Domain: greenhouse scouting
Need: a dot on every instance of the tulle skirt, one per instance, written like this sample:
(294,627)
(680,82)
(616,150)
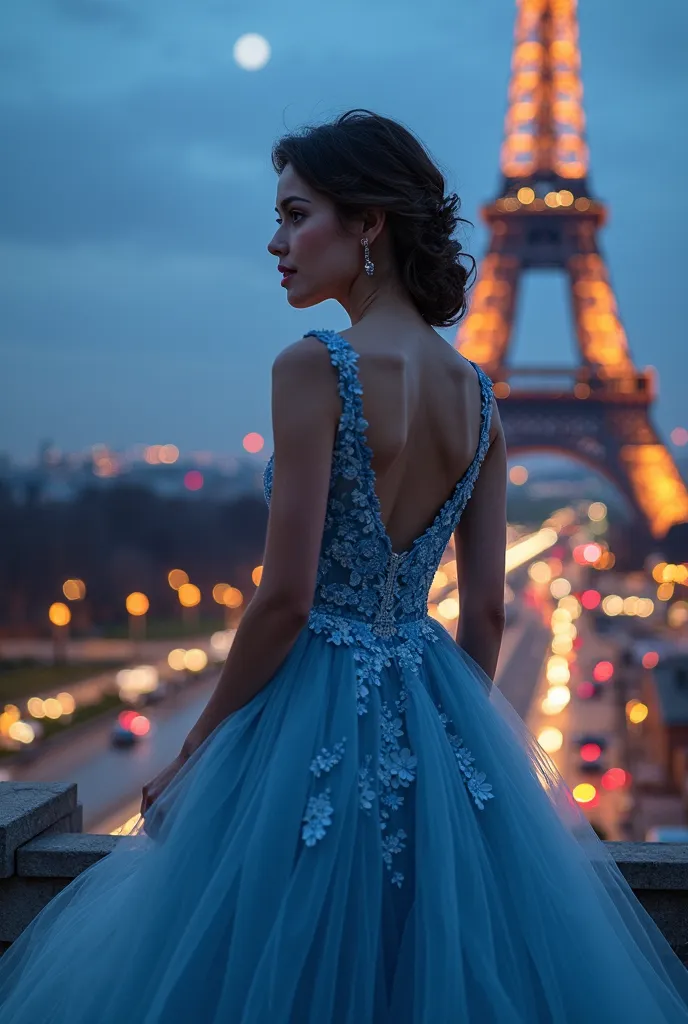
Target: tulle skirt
(485,899)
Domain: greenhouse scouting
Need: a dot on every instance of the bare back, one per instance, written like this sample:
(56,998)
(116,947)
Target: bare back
(422,401)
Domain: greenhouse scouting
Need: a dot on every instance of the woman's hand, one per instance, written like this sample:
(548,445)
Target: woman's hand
(153,789)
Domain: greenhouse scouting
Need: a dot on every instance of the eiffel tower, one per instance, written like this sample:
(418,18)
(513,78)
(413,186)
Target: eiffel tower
(546,217)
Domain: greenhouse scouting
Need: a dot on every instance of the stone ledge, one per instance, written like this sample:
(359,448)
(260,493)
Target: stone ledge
(28,809)
(62,855)
(652,865)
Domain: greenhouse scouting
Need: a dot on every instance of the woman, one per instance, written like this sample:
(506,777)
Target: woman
(359,829)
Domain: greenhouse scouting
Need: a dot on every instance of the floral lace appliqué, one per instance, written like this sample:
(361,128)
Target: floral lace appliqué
(374,600)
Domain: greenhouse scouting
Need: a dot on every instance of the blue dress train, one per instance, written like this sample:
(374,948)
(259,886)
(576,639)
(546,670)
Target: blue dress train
(375,838)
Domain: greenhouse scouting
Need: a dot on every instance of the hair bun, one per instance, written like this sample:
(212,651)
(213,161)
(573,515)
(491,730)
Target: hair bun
(362,160)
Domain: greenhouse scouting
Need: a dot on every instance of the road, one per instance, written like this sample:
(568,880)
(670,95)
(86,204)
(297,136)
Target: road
(109,780)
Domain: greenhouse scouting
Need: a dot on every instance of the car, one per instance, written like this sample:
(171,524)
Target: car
(129,728)
(121,736)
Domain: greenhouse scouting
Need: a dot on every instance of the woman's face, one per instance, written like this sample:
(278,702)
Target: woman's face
(324,261)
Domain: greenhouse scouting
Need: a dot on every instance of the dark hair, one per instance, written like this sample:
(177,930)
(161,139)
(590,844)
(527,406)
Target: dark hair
(362,160)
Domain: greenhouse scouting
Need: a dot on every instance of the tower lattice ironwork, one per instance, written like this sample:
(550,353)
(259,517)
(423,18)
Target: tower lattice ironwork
(546,217)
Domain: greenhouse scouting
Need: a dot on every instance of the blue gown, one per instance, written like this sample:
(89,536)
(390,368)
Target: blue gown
(375,838)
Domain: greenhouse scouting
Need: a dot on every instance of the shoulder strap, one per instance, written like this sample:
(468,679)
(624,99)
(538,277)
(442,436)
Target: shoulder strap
(485,412)
(467,483)
(345,361)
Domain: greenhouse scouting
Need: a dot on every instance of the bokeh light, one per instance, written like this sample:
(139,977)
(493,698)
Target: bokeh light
(137,603)
(177,578)
(257,575)
(449,608)
(518,475)
(195,660)
(74,590)
(59,614)
(584,793)
(603,671)
(540,572)
(597,511)
(233,598)
(550,739)
(193,480)
(253,442)
(189,595)
(175,659)
(559,588)
(636,711)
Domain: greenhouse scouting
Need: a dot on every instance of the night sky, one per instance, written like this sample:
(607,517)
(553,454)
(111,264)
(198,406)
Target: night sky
(138,302)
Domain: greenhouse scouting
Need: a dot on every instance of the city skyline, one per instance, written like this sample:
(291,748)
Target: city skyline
(141,305)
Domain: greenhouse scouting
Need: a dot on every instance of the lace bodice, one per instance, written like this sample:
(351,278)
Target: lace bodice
(360,578)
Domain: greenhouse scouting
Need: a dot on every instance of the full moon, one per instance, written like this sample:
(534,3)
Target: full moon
(251,52)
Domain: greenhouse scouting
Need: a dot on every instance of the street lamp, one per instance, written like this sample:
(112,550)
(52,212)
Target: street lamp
(60,617)
(232,599)
(189,598)
(137,605)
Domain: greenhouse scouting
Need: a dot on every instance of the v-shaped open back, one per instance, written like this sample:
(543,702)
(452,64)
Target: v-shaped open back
(364,588)
(353,397)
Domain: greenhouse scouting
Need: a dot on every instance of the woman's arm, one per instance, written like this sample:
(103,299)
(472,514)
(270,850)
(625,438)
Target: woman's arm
(480,542)
(305,412)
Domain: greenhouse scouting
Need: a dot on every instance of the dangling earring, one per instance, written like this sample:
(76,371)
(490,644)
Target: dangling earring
(368,263)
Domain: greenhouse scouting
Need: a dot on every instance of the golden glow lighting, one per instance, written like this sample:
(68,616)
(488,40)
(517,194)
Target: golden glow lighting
(74,590)
(137,603)
(540,572)
(23,732)
(612,605)
(449,608)
(529,547)
(195,660)
(597,511)
(550,739)
(557,671)
(59,614)
(67,702)
(556,699)
(570,605)
(232,597)
(189,595)
(175,659)
(219,592)
(257,575)
(584,793)
(177,578)
(559,587)
(637,711)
